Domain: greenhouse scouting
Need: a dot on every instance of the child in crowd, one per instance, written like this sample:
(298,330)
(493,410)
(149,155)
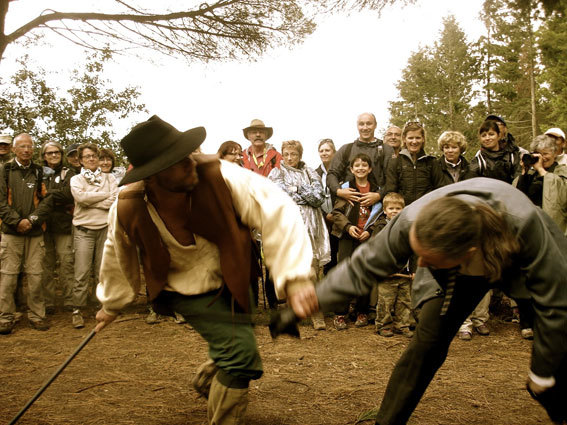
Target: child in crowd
(353,223)
(393,310)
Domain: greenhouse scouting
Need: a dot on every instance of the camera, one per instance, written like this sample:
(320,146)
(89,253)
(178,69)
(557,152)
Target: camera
(529,159)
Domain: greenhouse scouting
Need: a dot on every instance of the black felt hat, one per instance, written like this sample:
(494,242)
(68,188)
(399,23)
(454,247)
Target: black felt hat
(154,145)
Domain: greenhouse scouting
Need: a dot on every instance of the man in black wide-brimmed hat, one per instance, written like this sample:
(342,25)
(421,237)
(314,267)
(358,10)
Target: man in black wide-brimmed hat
(189,216)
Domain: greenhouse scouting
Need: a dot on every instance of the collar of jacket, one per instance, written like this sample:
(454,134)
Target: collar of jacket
(377,142)
(463,163)
(420,156)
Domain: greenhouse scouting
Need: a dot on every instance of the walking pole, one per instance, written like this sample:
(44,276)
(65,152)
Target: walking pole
(53,377)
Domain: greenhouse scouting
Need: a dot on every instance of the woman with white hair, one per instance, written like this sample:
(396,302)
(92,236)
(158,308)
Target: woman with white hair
(544,181)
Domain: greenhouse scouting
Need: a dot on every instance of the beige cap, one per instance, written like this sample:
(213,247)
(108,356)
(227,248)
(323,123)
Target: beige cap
(6,138)
(557,132)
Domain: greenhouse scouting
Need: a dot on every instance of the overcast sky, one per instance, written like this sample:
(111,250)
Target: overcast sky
(316,90)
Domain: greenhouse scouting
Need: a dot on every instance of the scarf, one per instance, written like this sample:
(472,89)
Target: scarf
(92,177)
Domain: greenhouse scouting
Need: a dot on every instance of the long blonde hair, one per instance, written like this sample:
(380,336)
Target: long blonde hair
(451,226)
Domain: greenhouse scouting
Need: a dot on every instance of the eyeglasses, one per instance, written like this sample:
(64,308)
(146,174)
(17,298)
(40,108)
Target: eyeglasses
(54,153)
(90,156)
(416,123)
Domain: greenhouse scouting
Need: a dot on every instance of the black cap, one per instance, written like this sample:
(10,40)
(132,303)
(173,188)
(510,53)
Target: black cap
(495,118)
(71,148)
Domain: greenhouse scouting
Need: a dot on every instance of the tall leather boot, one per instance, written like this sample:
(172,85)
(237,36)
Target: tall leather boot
(227,405)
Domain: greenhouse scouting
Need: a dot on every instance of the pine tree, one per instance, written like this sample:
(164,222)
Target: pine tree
(552,41)
(509,65)
(437,86)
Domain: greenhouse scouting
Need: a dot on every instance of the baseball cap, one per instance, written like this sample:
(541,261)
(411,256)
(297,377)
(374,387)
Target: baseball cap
(557,132)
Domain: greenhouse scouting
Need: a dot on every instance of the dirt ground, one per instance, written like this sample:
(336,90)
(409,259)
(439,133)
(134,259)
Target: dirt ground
(134,373)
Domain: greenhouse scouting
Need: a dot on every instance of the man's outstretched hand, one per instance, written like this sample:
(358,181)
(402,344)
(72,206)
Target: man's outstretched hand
(304,302)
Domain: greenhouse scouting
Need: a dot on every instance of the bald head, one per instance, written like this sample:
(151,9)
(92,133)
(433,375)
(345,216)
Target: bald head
(23,148)
(23,137)
(366,124)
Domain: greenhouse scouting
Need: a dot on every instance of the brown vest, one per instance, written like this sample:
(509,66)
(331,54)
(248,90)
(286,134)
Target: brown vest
(211,216)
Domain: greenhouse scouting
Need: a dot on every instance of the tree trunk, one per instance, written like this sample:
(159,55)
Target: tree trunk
(533,102)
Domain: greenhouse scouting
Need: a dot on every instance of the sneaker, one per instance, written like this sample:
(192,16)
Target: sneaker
(6,328)
(39,325)
(152,318)
(482,330)
(340,323)
(527,333)
(318,322)
(465,335)
(77,319)
(405,332)
(361,320)
(385,332)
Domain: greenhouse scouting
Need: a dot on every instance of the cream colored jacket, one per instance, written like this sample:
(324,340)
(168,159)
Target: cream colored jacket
(93,202)
(258,202)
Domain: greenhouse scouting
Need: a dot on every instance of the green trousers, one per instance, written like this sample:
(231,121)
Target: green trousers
(232,344)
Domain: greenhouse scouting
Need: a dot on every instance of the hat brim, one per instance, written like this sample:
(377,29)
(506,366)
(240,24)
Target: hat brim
(269,130)
(182,146)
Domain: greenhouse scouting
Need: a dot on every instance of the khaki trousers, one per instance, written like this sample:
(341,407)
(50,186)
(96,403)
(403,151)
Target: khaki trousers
(15,252)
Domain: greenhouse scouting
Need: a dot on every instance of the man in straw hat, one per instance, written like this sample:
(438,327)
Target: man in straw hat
(260,157)
(189,217)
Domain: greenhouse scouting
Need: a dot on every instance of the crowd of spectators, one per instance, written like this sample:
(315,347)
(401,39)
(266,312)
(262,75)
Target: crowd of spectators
(54,215)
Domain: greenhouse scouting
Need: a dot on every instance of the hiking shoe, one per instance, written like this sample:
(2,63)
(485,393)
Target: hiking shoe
(6,328)
(405,332)
(361,320)
(39,325)
(318,322)
(340,323)
(527,333)
(18,316)
(77,319)
(465,335)
(482,330)
(152,318)
(179,319)
(204,377)
(50,310)
(385,332)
